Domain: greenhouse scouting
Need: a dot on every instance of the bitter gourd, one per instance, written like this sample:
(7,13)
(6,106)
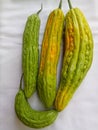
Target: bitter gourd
(50,53)
(29,116)
(30,53)
(78,56)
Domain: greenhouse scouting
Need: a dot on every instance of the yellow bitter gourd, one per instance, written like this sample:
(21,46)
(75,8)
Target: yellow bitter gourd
(30,117)
(50,53)
(30,53)
(77,57)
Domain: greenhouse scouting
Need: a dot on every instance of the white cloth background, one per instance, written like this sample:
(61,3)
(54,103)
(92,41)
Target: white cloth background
(82,111)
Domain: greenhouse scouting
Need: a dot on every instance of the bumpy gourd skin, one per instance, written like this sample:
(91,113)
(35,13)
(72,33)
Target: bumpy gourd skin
(77,57)
(30,54)
(50,53)
(31,117)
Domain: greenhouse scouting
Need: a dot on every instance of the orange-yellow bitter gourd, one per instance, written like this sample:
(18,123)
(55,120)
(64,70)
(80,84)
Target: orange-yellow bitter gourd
(50,53)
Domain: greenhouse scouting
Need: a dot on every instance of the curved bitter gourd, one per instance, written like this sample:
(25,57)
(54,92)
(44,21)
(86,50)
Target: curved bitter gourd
(29,116)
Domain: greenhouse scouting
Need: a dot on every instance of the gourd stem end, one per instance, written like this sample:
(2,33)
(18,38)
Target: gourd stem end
(20,86)
(40,9)
(70,6)
(60,4)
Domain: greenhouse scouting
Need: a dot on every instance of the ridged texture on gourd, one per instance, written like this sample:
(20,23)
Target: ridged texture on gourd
(30,54)
(30,117)
(50,53)
(77,57)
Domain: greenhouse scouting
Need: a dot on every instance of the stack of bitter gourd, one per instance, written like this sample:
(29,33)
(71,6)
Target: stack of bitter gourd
(77,38)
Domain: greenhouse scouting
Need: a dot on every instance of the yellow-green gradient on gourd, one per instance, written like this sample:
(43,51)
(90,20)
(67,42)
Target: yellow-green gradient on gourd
(78,55)
(50,52)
